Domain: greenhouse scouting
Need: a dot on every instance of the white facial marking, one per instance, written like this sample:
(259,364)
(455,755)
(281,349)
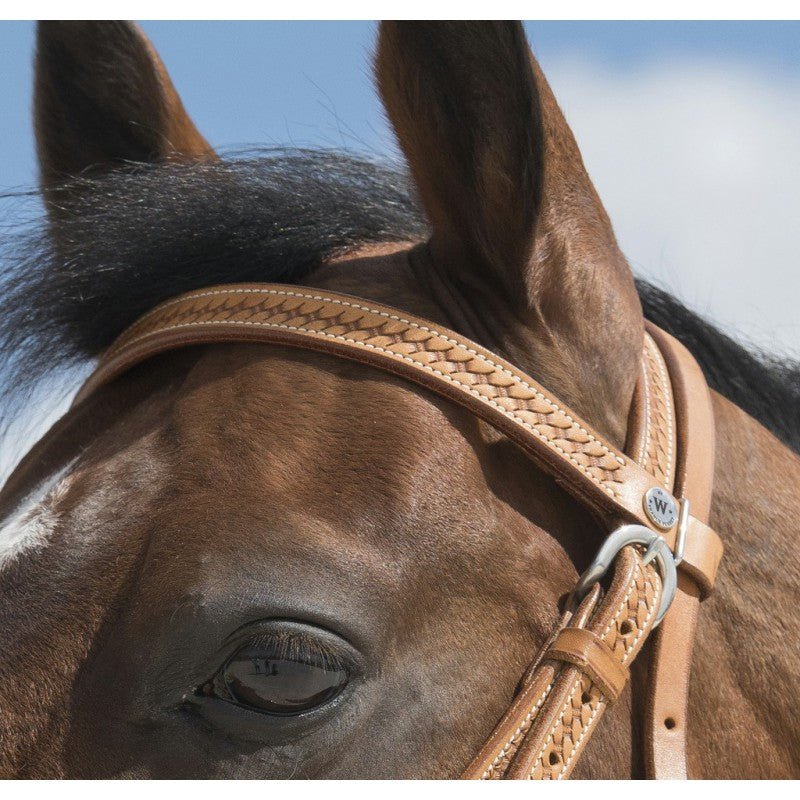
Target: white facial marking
(31,527)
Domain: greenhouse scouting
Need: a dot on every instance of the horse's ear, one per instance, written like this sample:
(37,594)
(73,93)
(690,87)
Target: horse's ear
(103,99)
(464,104)
(516,220)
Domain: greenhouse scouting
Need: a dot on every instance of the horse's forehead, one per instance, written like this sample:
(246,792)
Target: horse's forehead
(276,462)
(272,465)
(298,414)
(274,436)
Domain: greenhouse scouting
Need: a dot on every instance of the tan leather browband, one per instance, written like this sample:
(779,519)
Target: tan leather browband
(583,667)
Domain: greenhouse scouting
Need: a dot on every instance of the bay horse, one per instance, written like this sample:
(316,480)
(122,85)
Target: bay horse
(399,559)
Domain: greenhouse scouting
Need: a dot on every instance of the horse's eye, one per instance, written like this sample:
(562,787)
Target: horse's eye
(267,678)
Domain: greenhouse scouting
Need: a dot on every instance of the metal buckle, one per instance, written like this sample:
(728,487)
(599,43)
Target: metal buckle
(657,549)
(680,538)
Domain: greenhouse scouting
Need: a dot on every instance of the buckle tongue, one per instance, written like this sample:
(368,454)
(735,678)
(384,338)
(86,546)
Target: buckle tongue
(657,549)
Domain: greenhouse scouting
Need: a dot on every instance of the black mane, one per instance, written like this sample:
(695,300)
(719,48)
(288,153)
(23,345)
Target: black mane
(766,387)
(142,236)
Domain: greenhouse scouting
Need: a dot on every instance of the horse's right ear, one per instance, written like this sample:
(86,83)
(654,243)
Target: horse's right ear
(103,99)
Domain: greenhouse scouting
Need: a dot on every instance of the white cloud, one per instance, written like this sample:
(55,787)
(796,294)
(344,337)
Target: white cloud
(697,163)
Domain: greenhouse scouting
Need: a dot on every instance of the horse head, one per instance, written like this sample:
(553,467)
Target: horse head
(395,561)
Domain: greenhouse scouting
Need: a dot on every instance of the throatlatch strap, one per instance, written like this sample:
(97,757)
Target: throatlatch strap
(585,666)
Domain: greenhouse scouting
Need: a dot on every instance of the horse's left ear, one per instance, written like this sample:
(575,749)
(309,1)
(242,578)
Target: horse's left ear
(517,224)
(103,99)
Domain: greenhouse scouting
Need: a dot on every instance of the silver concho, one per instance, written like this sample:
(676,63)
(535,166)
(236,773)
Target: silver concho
(661,508)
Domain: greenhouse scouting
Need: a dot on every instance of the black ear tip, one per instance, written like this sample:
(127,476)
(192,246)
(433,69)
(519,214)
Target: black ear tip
(49,32)
(63,29)
(79,34)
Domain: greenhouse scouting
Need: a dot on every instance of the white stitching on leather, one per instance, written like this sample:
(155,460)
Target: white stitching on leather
(653,606)
(609,490)
(642,459)
(623,604)
(668,402)
(655,354)
(644,450)
(335,301)
(552,733)
(502,753)
(577,746)
(628,650)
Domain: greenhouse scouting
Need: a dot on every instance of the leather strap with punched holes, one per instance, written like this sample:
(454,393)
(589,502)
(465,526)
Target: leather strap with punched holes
(584,666)
(668,700)
(544,731)
(568,688)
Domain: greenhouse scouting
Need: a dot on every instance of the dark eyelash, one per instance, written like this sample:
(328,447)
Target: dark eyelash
(299,646)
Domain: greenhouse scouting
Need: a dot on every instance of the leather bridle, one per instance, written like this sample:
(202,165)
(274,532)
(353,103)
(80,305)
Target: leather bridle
(654,498)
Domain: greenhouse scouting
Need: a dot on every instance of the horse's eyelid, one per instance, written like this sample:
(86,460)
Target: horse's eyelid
(299,646)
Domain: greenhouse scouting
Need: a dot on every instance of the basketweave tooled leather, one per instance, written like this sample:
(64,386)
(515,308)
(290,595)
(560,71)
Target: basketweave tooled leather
(575,703)
(659,451)
(555,437)
(552,717)
(554,729)
(670,664)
